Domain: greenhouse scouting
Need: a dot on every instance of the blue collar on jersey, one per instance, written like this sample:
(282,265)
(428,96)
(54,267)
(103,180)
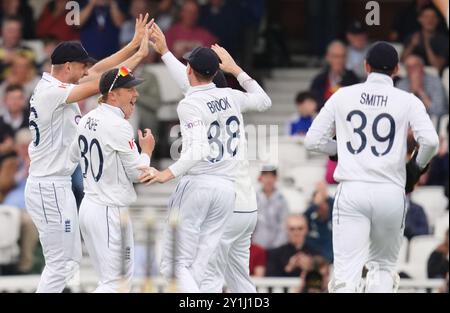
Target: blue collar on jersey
(200,88)
(117,111)
(380,78)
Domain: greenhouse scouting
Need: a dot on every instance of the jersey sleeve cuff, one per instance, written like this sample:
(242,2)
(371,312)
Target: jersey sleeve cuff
(243,77)
(175,169)
(145,159)
(68,91)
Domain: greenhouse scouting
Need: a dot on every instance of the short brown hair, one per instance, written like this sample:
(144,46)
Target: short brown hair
(13,87)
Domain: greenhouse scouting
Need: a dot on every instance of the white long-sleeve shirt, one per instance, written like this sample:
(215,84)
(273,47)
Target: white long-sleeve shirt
(255,98)
(53,125)
(371,122)
(109,158)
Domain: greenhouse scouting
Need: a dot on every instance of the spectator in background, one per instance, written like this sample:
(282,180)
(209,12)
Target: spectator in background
(416,222)
(426,87)
(438,260)
(273,210)
(10,42)
(15,112)
(406,21)
(253,14)
(319,216)
(137,7)
(186,34)
(22,10)
(295,258)
(328,82)
(15,198)
(358,46)
(428,43)
(50,43)
(306,111)
(52,22)
(8,168)
(165,10)
(334,76)
(6,138)
(258,261)
(23,72)
(224,20)
(100,22)
(437,175)
(313,283)
(324,21)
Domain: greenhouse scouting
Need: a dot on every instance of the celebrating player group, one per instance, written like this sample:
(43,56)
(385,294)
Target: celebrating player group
(363,126)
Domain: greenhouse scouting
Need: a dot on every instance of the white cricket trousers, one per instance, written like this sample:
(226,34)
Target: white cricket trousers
(52,207)
(368,225)
(232,263)
(108,235)
(202,206)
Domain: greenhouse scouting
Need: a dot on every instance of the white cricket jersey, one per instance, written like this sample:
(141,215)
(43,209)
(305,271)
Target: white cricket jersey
(371,122)
(254,99)
(108,156)
(53,126)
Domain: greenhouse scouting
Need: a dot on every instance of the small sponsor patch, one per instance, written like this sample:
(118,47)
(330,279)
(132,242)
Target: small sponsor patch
(67,227)
(131,143)
(77,119)
(127,253)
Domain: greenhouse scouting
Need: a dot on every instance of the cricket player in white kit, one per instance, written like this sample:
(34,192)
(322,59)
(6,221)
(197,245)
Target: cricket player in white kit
(232,262)
(54,115)
(210,120)
(109,159)
(371,121)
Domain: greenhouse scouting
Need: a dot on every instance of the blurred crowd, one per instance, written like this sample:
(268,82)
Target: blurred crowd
(284,245)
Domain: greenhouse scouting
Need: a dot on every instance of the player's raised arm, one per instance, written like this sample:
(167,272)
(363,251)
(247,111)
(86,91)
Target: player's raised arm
(91,87)
(176,69)
(125,53)
(255,97)
(319,138)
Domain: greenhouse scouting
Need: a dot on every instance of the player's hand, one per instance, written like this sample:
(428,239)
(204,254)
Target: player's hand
(146,141)
(415,39)
(158,40)
(413,173)
(143,48)
(321,194)
(151,175)
(304,261)
(139,29)
(227,63)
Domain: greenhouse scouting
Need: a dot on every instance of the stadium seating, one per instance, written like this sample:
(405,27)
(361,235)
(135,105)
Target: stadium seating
(9,234)
(441,226)
(170,92)
(399,47)
(433,200)
(431,70)
(443,123)
(297,202)
(403,255)
(420,249)
(445,80)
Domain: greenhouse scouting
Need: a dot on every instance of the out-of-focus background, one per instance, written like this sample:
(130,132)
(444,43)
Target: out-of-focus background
(301,51)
